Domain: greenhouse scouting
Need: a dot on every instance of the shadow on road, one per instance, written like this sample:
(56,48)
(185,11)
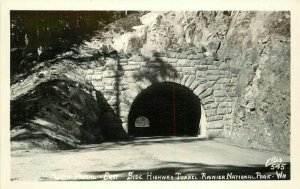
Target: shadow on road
(141,141)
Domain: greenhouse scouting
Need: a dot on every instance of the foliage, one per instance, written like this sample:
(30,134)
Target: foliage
(41,35)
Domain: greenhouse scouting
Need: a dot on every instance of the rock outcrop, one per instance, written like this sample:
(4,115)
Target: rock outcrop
(57,108)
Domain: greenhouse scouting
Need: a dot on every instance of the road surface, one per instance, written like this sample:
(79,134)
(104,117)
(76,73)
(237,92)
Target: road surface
(143,156)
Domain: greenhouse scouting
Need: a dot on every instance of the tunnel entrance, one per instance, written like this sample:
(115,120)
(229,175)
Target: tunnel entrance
(165,109)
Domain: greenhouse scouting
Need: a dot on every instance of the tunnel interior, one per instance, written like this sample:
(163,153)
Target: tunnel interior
(167,109)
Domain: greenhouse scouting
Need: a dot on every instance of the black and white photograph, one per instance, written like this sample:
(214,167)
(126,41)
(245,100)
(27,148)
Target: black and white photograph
(149,95)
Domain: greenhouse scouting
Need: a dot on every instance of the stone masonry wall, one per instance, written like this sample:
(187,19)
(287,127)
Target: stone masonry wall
(121,80)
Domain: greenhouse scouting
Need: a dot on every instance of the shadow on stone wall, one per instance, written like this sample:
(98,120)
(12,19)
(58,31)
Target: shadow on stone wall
(156,69)
(109,120)
(152,70)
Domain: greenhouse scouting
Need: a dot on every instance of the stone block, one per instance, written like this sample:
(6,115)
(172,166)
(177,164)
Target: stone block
(166,77)
(194,84)
(130,93)
(146,82)
(88,77)
(99,88)
(130,79)
(123,113)
(135,58)
(160,54)
(123,60)
(200,89)
(164,60)
(89,72)
(208,100)
(201,67)
(201,73)
(190,57)
(183,79)
(230,99)
(220,93)
(123,63)
(134,87)
(109,87)
(97,83)
(134,63)
(223,80)
(108,81)
(223,66)
(111,63)
(188,70)
(173,65)
(198,56)
(172,76)
(222,73)
(131,74)
(215,133)
(143,64)
(131,67)
(124,107)
(227,123)
(141,85)
(178,78)
(171,54)
(214,118)
(215,125)
(232,93)
(220,99)
(190,80)
(211,106)
(209,60)
(227,117)
(206,93)
(97,77)
(144,70)
(210,84)
(223,111)
(155,65)
(182,55)
(198,62)
(218,86)
(173,61)
(212,72)
(109,74)
(213,77)
(217,63)
(153,70)
(183,63)
(125,126)
(212,67)
(210,112)
(225,104)
(111,102)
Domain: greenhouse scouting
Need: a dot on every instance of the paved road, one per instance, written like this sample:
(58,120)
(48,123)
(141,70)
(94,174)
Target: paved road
(143,156)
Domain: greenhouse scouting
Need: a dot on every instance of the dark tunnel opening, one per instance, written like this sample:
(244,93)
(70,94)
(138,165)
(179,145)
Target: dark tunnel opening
(165,109)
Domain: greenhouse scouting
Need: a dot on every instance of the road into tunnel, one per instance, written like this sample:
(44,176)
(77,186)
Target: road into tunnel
(165,109)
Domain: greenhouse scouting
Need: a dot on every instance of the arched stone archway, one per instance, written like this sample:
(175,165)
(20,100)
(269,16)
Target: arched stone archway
(122,80)
(168,108)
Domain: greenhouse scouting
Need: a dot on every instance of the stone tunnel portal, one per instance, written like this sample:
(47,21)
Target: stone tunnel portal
(165,109)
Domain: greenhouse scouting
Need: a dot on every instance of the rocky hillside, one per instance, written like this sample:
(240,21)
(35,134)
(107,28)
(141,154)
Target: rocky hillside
(253,45)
